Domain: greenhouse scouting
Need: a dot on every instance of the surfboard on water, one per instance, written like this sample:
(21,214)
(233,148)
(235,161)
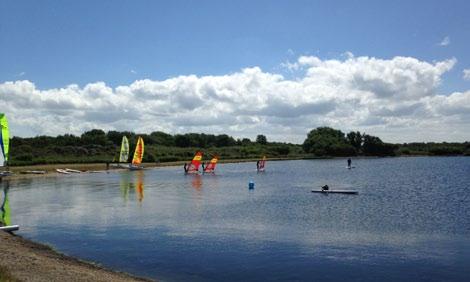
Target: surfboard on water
(349,167)
(353,192)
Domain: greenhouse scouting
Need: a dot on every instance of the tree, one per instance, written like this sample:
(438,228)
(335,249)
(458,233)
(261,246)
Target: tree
(182,141)
(261,139)
(162,138)
(326,141)
(94,137)
(224,140)
(373,146)
(246,141)
(355,139)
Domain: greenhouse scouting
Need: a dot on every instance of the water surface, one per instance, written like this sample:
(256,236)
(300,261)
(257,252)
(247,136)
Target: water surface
(410,221)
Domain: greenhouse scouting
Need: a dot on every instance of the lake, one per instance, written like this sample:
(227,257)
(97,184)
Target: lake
(410,221)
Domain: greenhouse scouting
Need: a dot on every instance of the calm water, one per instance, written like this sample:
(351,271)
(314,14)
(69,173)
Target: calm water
(410,221)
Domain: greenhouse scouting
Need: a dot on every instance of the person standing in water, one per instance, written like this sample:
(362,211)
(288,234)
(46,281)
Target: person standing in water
(349,162)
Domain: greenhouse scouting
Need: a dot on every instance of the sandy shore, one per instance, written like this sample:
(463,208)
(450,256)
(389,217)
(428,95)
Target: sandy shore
(28,261)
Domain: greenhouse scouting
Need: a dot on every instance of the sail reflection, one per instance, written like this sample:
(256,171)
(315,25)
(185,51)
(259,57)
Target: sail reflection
(132,181)
(5,207)
(196,182)
(139,188)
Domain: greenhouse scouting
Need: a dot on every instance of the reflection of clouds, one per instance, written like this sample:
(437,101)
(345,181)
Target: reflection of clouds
(217,207)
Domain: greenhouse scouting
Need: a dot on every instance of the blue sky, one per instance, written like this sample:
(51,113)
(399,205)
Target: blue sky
(45,46)
(55,43)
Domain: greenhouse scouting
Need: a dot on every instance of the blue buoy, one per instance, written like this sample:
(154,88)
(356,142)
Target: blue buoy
(251,185)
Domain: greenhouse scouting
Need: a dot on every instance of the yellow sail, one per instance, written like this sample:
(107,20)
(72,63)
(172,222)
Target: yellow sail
(124,155)
(139,152)
(4,136)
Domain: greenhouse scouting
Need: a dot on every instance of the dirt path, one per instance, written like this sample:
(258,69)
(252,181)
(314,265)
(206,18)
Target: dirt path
(29,261)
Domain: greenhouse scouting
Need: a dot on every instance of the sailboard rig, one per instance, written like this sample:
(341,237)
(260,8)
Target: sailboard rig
(193,166)
(261,163)
(124,154)
(210,167)
(4,138)
(138,154)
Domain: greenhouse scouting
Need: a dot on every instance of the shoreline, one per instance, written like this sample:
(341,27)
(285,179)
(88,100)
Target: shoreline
(50,169)
(25,260)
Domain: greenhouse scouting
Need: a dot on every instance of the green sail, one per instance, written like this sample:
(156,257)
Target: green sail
(4,136)
(124,155)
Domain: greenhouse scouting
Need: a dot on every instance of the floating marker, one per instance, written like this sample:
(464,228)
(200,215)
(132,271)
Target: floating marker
(251,185)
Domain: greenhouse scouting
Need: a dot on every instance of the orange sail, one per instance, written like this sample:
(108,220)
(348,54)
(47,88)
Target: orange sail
(261,163)
(139,152)
(211,166)
(193,167)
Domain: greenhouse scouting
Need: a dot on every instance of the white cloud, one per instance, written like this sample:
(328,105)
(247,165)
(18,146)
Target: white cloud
(445,41)
(466,74)
(396,99)
(133,72)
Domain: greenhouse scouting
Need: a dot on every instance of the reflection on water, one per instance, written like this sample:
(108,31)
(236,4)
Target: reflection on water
(196,181)
(405,224)
(132,180)
(5,207)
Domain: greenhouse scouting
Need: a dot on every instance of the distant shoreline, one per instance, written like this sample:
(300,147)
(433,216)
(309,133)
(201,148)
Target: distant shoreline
(50,169)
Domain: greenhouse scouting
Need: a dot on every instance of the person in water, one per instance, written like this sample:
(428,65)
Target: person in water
(257,165)
(325,188)
(186,167)
(349,162)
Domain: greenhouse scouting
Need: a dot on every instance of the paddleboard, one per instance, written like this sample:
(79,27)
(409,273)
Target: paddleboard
(10,228)
(336,191)
(72,170)
(62,171)
(349,167)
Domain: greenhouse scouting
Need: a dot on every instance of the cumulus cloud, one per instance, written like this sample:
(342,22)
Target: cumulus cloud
(466,74)
(445,41)
(396,99)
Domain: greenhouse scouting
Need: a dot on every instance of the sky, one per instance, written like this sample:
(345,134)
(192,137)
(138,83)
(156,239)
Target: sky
(399,70)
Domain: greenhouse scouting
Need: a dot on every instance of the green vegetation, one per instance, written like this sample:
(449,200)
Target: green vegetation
(97,146)
(325,141)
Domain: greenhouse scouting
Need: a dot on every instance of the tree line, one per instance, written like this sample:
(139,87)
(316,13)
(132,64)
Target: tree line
(99,146)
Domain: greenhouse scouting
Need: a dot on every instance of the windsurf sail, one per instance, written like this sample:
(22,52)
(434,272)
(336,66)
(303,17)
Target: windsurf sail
(139,152)
(261,163)
(4,137)
(124,155)
(193,167)
(210,167)
(5,209)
